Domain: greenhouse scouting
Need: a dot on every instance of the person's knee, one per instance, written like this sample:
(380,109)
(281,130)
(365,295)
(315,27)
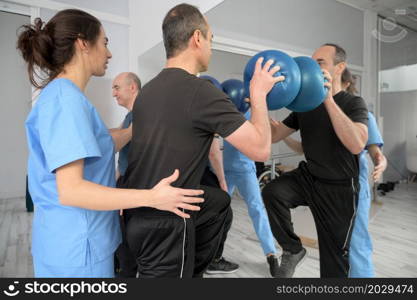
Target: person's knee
(217,199)
(255,203)
(256,212)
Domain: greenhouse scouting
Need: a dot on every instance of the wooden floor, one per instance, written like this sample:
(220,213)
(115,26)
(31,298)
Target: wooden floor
(15,237)
(393,228)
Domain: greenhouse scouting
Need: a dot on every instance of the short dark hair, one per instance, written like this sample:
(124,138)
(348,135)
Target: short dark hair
(340,55)
(179,25)
(51,46)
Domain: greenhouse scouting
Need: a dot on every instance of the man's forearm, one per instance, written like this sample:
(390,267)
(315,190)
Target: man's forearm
(352,135)
(260,120)
(379,160)
(216,159)
(294,145)
(279,131)
(121,137)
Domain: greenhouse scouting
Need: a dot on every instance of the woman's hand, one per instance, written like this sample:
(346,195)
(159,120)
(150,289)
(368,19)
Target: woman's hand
(223,185)
(380,166)
(169,198)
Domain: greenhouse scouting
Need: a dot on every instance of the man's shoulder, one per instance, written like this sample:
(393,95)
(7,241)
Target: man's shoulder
(208,89)
(348,96)
(346,100)
(170,78)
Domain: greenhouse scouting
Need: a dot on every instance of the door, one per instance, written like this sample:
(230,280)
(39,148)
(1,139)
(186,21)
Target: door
(15,103)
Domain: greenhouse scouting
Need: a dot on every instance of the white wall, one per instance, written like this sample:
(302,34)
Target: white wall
(146,24)
(120,8)
(300,25)
(150,63)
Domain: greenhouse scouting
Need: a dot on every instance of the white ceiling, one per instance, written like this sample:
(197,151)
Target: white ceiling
(403,11)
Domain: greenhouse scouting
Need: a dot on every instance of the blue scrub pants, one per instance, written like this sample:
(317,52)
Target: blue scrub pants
(360,251)
(247,184)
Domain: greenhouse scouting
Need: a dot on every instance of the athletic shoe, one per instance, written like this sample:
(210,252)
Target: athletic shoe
(273,265)
(222,266)
(289,262)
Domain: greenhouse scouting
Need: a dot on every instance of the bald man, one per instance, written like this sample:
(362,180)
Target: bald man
(125,88)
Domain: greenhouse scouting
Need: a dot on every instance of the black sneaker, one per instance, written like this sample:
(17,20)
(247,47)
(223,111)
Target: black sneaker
(222,266)
(289,262)
(273,265)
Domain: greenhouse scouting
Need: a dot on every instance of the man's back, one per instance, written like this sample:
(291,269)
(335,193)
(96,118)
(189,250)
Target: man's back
(174,120)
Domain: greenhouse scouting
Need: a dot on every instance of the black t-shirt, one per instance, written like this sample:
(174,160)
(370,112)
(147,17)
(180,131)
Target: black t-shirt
(326,156)
(174,120)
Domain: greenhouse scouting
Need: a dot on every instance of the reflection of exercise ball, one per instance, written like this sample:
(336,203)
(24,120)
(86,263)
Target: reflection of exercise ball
(312,91)
(282,92)
(236,92)
(213,81)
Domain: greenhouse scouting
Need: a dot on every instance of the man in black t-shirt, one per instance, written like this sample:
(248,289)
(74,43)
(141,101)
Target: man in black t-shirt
(332,136)
(174,121)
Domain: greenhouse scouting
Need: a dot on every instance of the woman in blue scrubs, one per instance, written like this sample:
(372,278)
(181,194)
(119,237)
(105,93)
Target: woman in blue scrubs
(240,172)
(360,250)
(71,153)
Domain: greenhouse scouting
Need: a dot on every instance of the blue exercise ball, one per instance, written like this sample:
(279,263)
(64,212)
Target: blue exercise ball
(234,88)
(213,81)
(284,92)
(312,92)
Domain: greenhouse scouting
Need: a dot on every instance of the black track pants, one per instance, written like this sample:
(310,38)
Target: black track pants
(166,245)
(210,179)
(333,205)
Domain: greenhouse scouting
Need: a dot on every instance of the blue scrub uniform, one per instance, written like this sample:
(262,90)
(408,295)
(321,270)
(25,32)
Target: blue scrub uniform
(360,253)
(240,172)
(123,153)
(63,127)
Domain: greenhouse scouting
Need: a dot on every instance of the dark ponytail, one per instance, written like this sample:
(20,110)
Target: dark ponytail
(349,81)
(36,47)
(47,49)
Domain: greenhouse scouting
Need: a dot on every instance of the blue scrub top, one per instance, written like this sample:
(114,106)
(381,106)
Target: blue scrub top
(63,127)
(234,160)
(123,153)
(374,138)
